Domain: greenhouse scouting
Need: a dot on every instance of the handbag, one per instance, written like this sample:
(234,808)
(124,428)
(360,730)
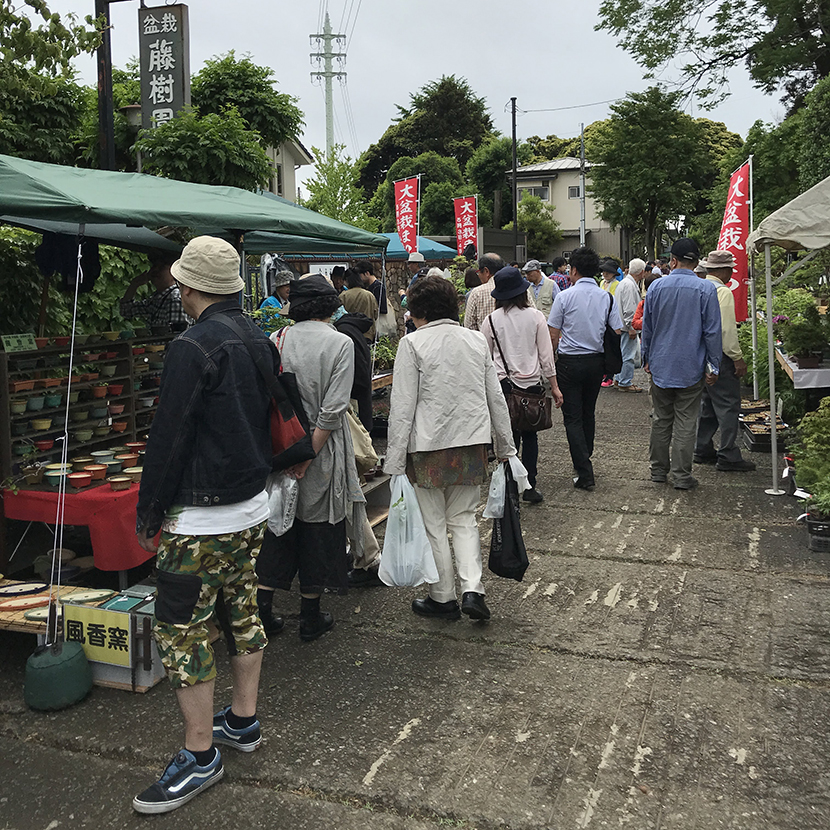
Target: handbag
(508,555)
(611,345)
(364,453)
(529,411)
(290,434)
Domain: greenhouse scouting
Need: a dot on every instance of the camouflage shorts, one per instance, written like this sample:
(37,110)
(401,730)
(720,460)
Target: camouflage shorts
(191,572)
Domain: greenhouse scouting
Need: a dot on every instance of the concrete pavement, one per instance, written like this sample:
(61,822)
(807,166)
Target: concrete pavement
(664,664)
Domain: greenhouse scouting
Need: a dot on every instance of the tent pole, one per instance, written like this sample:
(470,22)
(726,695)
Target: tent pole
(774,490)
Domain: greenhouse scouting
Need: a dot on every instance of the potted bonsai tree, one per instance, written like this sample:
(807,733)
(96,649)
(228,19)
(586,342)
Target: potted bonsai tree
(805,337)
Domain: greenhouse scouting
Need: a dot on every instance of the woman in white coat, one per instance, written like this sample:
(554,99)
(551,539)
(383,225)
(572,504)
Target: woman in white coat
(447,406)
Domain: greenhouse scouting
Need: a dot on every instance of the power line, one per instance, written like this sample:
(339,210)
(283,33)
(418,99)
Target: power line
(574,107)
(354,21)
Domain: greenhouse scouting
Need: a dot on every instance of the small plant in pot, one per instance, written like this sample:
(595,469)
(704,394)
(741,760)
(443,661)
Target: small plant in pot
(805,337)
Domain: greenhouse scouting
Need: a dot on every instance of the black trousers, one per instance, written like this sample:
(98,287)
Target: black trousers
(580,378)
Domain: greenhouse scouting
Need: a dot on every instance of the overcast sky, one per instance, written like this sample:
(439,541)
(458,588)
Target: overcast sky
(544,52)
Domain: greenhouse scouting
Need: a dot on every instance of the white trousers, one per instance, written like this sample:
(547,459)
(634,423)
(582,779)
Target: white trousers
(453,510)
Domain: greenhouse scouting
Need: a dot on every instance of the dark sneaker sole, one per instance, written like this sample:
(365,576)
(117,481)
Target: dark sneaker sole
(156,807)
(444,615)
(224,740)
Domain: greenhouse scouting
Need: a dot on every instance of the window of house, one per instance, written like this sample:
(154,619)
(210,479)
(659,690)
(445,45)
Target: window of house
(276,181)
(542,192)
(573,192)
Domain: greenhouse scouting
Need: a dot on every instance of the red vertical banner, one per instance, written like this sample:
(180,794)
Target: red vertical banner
(466,222)
(406,212)
(733,234)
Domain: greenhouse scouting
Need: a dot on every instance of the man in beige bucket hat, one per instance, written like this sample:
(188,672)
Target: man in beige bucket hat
(720,406)
(203,485)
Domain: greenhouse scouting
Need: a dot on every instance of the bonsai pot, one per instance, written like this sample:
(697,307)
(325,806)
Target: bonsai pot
(119,426)
(36,403)
(17,407)
(99,391)
(41,424)
(98,412)
(127,459)
(40,342)
(110,335)
(101,431)
(80,461)
(33,474)
(79,414)
(810,361)
(21,385)
(80,479)
(45,445)
(116,388)
(134,473)
(54,399)
(108,371)
(116,408)
(120,482)
(62,341)
(97,471)
(83,435)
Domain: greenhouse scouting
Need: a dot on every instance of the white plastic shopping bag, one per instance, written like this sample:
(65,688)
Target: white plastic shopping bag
(407,558)
(519,472)
(496,495)
(283,492)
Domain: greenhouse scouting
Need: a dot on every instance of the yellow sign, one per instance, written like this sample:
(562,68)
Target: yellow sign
(105,635)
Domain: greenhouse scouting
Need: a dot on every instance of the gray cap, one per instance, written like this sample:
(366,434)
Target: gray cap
(532,265)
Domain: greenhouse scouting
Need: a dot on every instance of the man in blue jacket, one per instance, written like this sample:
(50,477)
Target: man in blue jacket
(203,486)
(681,344)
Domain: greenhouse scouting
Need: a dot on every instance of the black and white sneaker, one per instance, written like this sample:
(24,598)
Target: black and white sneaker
(183,780)
(246,739)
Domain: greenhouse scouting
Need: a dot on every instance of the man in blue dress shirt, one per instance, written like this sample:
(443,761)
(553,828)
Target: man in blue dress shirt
(681,345)
(577,326)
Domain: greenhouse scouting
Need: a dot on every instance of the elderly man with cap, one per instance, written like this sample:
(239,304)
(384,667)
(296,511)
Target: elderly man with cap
(542,288)
(627,298)
(278,300)
(203,486)
(681,344)
(720,406)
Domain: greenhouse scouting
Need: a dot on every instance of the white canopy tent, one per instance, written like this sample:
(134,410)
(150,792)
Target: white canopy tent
(801,224)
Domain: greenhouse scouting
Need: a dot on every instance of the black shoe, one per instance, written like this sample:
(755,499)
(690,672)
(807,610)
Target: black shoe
(428,607)
(584,485)
(690,484)
(365,578)
(705,459)
(472,604)
(742,466)
(311,629)
(271,624)
(533,496)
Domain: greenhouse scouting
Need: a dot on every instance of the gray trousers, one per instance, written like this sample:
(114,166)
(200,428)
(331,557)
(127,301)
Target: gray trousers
(673,430)
(720,406)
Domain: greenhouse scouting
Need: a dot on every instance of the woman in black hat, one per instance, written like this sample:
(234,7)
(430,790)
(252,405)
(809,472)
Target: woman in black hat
(520,345)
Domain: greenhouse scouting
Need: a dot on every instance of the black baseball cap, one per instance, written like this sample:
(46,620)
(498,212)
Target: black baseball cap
(685,249)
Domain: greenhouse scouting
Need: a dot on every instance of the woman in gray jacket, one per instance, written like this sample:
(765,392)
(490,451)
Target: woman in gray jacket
(447,406)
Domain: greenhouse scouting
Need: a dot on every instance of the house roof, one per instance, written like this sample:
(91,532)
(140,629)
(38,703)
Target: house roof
(552,166)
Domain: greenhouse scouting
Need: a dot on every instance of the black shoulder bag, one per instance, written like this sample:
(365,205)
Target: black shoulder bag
(611,347)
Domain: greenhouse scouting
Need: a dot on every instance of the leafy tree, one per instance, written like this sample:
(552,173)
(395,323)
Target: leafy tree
(814,161)
(488,172)
(210,149)
(437,213)
(536,220)
(444,116)
(434,169)
(782,43)
(226,81)
(333,190)
(553,147)
(641,177)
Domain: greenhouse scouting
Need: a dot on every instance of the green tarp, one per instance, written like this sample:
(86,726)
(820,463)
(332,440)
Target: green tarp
(32,191)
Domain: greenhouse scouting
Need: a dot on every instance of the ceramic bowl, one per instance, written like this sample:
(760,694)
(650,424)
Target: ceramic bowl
(147,402)
(20,428)
(102,456)
(36,403)
(116,408)
(127,334)
(47,444)
(110,335)
(80,479)
(80,339)
(56,466)
(138,349)
(116,451)
(113,467)
(134,473)
(74,395)
(97,471)
(82,435)
(119,426)
(115,389)
(40,342)
(41,424)
(21,449)
(155,347)
(101,431)
(61,341)
(21,385)
(99,391)
(128,459)
(53,477)
(17,407)
(110,355)
(80,461)
(53,400)
(108,371)
(135,446)
(120,482)
(98,412)
(79,415)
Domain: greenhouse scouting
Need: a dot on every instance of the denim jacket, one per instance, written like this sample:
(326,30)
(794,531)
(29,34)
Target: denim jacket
(210,442)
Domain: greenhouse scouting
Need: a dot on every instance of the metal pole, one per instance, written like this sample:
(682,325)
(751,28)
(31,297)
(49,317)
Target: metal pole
(514,186)
(752,296)
(329,92)
(774,490)
(582,185)
(106,123)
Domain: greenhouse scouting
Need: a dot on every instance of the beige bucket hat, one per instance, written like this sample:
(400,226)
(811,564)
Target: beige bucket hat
(719,259)
(209,264)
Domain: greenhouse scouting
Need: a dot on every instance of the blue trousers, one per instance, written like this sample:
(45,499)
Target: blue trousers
(629,347)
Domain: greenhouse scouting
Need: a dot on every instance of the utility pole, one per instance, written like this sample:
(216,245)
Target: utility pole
(582,185)
(327,73)
(514,187)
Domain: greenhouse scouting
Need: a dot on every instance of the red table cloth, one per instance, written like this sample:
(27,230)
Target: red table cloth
(109,515)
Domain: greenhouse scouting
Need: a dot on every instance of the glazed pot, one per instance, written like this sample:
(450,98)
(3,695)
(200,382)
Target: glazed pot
(41,424)
(17,407)
(108,371)
(116,389)
(74,395)
(116,408)
(45,445)
(61,341)
(40,342)
(113,467)
(80,479)
(54,477)
(102,456)
(53,400)
(119,426)
(120,482)
(82,435)
(101,431)
(127,459)
(134,473)
(110,335)
(99,391)
(21,385)
(97,471)
(79,415)
(36,403)
(98,412)
(80,461)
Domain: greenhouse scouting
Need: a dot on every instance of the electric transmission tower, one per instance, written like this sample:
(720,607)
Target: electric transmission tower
(325,72)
